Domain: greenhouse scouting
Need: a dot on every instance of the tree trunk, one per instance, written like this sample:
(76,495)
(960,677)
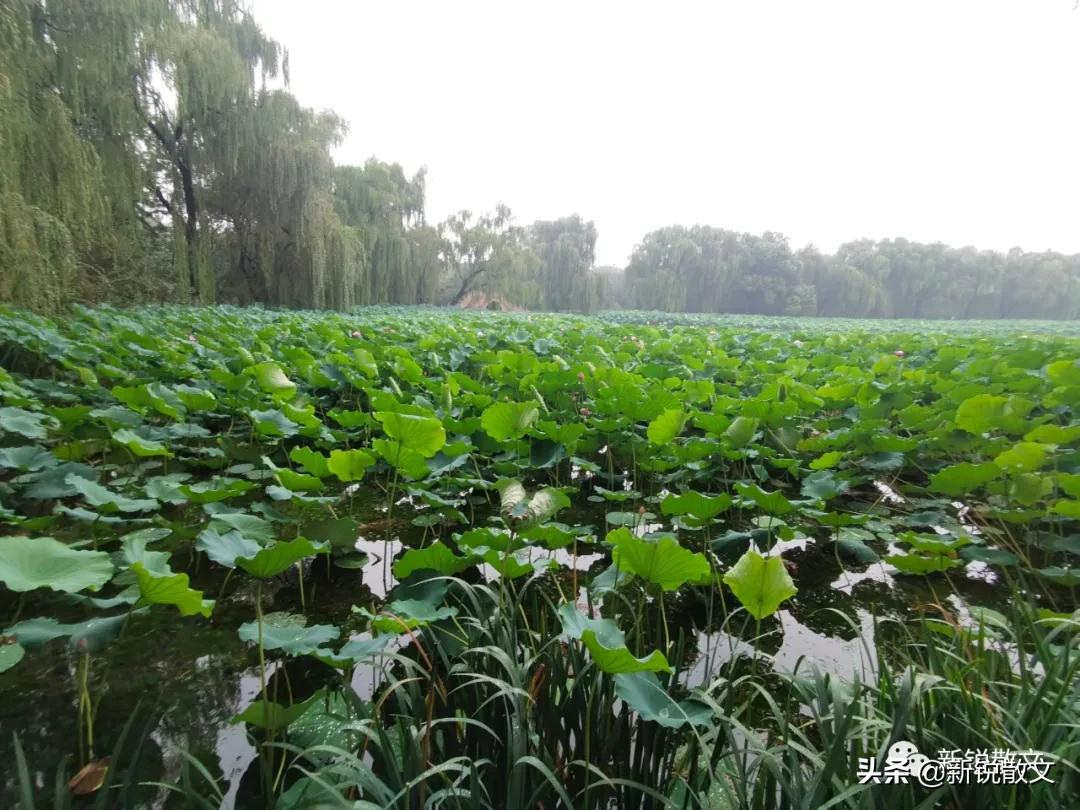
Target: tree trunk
(191,229)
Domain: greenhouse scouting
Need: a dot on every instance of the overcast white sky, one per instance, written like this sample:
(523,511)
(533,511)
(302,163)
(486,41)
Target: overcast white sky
(827,120)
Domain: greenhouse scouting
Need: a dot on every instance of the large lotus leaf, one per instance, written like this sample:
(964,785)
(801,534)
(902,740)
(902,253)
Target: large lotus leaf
(134,550)
(253,526)
(289,632)
(1068,508)
(760,583)
(92,634)
(934,543)
(772,502)
(26,423)
(823,485)
(984,413)
(298,482)
(422,434)
(665,427)
(195,399)
(339,532)
(920,564)
(350,465)
(662,562)
(30,458)
(642,692)
(1023,457)
(487,538)
(826,460)
(620,659)
(567,435)
(1064,576)
(277,557)
(303,416)
(139,445)
(544,505)
(436,557)
(266,714)
(171,589)
(396,454)
(610,579)
(518,507)
(1064,372)
(51,483)
(11,653)
(326,724)
(607,644)
(553,535)
(504,421)
(854,547)
(365,361)
(349,419)
(216,489)
(514,565)
(882,462)
(991,556)
(166,488)
(105,499)
(1053,434)
(312,461)
(963,478)
(272,423)
(225,548)
(271,379)
(28,563)
(403,615)
(355,650)
(164,400)
(512,498)
(741,431)
(703,507)
(1069,483)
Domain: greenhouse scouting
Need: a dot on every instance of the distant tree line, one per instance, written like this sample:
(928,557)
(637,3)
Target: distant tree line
(151,151)
(704,269)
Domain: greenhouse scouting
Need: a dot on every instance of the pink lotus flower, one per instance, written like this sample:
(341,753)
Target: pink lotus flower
(581,376)
(900,353)
(356,333)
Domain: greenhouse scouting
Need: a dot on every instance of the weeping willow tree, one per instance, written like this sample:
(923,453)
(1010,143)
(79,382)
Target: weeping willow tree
(399,258)
(116,117)
(567,251)
(274,204)
(199,80)
(53,209)
(148,150)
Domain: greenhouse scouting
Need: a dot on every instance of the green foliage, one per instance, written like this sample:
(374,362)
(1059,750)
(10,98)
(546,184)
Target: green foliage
(607,645)
(156,588)
(760,583)
(660,680)
(41,562)
(509,420)
(288,632)
(665,427)
(662,562)
(349,465)
(277,557)
(644,694)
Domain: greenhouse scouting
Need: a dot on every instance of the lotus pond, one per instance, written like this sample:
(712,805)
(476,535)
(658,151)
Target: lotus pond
(421,558)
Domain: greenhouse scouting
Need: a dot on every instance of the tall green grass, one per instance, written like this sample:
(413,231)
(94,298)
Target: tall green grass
(494,710)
